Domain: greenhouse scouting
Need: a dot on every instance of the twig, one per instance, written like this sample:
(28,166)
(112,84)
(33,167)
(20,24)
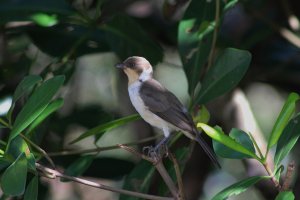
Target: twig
(98,149)
(288,176)
(178,175)
(270,173)
(50,173)
(39,149)
(215,34)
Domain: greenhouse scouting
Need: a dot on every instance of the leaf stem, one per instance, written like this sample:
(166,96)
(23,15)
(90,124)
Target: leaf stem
(271,174)
(4,123)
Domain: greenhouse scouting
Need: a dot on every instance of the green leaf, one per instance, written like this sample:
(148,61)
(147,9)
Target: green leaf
(16,147)
(283,118)
(238,187)
(31,192)
(287,139)
(51,107)
(219,136)
(26,85)
(195,39)
(80,165)
(44,19)
(101,129)
(139,179)
(35,104)
(286,195)
(224,74)
(13,179)
(239,136)
(4,163)
(126,38)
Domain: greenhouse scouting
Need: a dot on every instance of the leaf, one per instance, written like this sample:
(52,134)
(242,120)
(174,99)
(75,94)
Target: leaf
(219,136)
(126,38)
(16,147)
(4,163)
(101,129)
(35,104)
(51,107)
(287,139)
(13,179)
(286,195)
(26,85)
(31,192)
(139,179)
(80,165)
(44,19)
(285,114)
(227,71)
(239,136)
(238,187)
(195,39)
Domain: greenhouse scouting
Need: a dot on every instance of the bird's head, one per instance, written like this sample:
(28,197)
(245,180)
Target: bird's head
(136,68)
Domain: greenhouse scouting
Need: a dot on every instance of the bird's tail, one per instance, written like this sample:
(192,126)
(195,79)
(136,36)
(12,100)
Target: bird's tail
(208,150)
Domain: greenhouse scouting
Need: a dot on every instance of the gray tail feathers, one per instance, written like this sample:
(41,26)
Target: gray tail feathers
(208,150)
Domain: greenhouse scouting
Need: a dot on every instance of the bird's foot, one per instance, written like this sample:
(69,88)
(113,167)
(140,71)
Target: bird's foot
(156,152)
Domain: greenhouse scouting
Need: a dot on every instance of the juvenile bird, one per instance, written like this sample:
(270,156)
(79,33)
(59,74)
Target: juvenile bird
(157,105)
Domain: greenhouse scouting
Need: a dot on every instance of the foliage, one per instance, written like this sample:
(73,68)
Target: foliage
(64,32)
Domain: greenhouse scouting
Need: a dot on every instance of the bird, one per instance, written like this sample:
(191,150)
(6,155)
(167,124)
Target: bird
(157,105)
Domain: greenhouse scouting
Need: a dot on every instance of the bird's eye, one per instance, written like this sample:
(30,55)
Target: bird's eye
(132,65)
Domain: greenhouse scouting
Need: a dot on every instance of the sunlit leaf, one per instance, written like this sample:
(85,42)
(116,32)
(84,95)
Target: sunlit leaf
(31,192)
(287,139)
(240,137)
(286,195)
(44,19)
(219,136)
(238,187)
(101,129)
(13,179)
(287,111)
(35,104)
(227,71)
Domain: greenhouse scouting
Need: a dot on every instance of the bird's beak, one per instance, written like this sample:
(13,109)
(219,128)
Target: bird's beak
(120,65)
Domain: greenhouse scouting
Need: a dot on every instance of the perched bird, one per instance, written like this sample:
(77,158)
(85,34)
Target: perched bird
(157,105)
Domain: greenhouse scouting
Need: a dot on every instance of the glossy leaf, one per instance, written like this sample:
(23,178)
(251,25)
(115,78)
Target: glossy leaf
(286,195)
(219,136)
(195,39)
(16,147)
(13,179)
(26,85)
(126,38)
(35,104)
(227,71)
(101,129)
(238,187)
(287,111)
(51,107)
(80,165)
(287,139)
(240,137)
(139,179)
(31,192)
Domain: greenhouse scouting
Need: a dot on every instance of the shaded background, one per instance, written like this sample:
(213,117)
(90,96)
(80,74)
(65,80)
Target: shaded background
(96,92)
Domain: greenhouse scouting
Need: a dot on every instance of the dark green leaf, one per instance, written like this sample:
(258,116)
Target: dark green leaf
(101,129)
(35,105)
(51,107)
(21,10)
(13,179)
(31,192)
(31,162)
(80,165)
(68,39)
(195,38)
(238,187)
(286,195)
(16,147)
(26,85)
(240,137)
(224,74)
(218,135)
(126,38)
(139,179)
(287,111)
(287,139)
(4,163)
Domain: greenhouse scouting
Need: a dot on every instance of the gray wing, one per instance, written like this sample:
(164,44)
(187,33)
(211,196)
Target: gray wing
(166,105)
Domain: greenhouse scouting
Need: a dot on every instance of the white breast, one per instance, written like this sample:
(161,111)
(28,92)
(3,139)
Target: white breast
(138,103)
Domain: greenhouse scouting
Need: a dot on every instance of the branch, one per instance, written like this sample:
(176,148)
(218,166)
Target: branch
(53,174)
(270,173)
(287,180)
(178,175)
